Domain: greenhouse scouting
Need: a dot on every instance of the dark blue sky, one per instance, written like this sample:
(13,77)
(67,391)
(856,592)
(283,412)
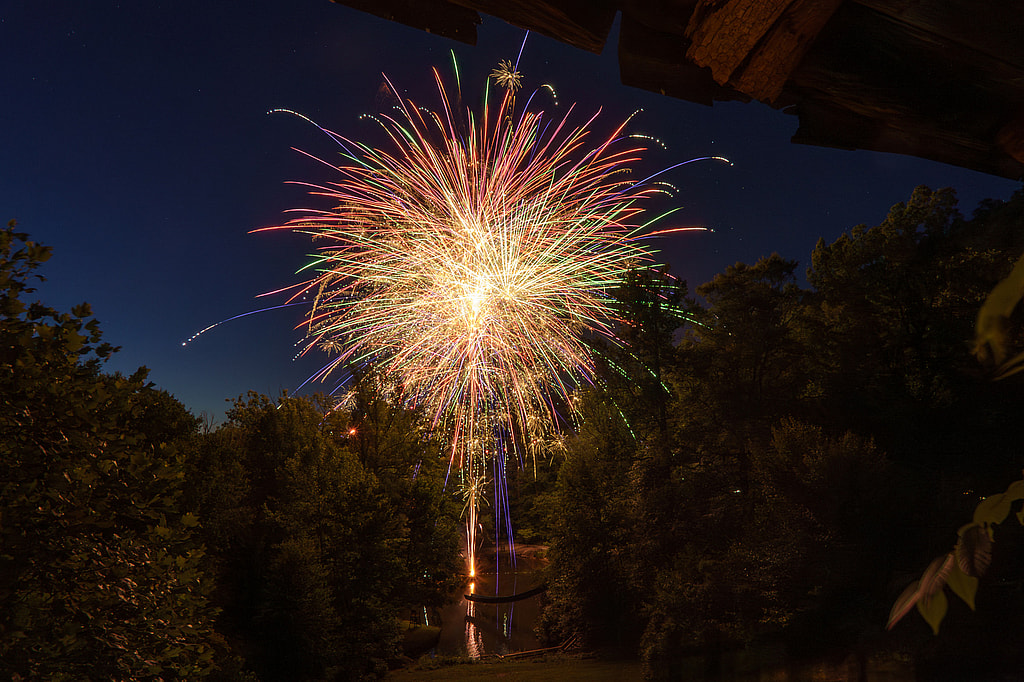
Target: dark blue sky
(134,140)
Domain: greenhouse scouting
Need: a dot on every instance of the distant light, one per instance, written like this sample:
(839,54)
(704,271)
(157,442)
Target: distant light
(352,431)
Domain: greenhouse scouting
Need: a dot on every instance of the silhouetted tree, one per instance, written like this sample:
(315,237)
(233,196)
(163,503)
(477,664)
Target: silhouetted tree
(329,523)
(100,574)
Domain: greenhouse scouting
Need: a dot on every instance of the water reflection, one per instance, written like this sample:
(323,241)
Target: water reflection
(474,637)
(476,629)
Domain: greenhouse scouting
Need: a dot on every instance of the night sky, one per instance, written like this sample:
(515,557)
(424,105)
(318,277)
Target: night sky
(135,141)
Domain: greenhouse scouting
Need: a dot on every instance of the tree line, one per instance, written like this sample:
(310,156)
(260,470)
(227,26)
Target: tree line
(777,469)
(782,470)
(135,544)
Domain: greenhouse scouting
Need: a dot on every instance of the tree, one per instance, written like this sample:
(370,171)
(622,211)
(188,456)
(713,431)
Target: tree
(894,312)
(616,481)
(741,352)
(328,524)
(593,593)
(772,493)
(99,565)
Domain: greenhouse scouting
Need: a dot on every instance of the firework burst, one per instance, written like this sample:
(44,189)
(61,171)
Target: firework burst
(470,261)
(507,76)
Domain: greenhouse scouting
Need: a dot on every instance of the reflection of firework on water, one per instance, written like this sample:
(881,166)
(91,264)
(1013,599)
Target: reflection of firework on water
(469,264)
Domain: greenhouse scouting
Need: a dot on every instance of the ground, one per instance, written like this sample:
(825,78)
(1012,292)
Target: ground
(564,668)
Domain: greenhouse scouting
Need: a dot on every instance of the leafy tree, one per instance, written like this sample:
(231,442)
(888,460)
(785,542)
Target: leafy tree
(739,365)
(747,529)
(392,445)
(531,488)
(613,481)
(592,593)
(792,470)
(961,568)
(895,309)
(99,565)
(328,523)
(745,344)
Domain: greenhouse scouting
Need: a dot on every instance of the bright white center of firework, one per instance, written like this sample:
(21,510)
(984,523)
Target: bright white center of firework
(479,285)
(479,292)
(476,301)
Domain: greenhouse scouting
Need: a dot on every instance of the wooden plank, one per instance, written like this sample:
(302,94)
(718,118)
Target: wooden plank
(665,16)
(939,79)
(1010,137)
(723,33)
(825,125)
(656,61)
(871,65)
(992,27)
(874,82)
(865,63)
(433,16)
(781,50)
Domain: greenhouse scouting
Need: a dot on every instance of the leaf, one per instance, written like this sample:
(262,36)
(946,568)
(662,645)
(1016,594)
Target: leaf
(963,585)
(189,520)
(934,578)
(904,603)
(1015,491)
(934,610)
(993,509)
(989,334)
(974,550)
(1010,367)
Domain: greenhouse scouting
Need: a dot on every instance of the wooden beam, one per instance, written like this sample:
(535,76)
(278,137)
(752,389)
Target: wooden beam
(824,125)
(873,66)
(723,33)
(667,16)
(783,48)
(993,27)
(656,60)
(1010,137)
(754,45)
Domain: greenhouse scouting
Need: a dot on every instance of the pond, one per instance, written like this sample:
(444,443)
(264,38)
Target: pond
(476,629)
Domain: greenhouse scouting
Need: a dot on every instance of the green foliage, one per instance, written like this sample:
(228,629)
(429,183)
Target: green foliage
(746,345)
(895,305)
(328,524)
(791,469)
(991,336)
(960,569)
(614,477)
(532,500)
(969,560)
(738,369)
(591,595)
(99,569)
(755,561)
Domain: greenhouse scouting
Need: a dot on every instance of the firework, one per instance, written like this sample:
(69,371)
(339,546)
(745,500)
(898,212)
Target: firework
(469,263)
(507,76)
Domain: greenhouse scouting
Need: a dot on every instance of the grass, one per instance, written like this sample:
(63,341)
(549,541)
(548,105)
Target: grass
(561,667)
(417,639)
